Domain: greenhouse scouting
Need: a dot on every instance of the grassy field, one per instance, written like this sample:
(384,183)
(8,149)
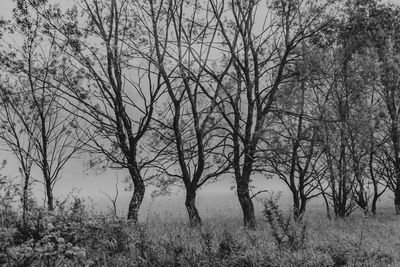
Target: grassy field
(81,234)
(356,241)
(74,236)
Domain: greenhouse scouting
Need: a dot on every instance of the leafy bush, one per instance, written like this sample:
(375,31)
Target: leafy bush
(48,238)
(51,250)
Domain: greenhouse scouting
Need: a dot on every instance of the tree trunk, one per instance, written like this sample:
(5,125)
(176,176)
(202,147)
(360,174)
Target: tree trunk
(136,200)
(246,203)
(47,179)
(25,194)
(362,200)
(328,210)
(296,204)
(190,203)
(374,182)
(339,212)
(373,204)
(397,200)
(50,198)
(301,208)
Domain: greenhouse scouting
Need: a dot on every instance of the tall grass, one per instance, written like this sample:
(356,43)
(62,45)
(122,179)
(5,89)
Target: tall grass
(72,236)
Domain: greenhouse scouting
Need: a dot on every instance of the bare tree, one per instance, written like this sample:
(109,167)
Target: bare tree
(36,102)
(183,41)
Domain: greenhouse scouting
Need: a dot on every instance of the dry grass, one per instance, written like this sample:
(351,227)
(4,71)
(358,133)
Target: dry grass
(166,240)
(356,241)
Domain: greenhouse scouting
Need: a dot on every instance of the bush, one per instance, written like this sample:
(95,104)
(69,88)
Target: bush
(48,239)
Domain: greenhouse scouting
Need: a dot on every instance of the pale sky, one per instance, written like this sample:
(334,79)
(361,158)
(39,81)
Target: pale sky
(6,8)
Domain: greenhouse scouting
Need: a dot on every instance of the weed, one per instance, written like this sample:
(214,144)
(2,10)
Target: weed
(287,233)
(228,245)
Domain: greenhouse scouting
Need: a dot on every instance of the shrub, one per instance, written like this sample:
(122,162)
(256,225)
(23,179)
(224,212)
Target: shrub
(48,238)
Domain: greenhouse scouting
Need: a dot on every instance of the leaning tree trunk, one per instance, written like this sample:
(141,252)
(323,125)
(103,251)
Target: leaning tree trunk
(246,203)
(137,197)
(190,203)
(375,197)
(136,202)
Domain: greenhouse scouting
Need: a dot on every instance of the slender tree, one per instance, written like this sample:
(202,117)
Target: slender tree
(14,109)
(293,150)
(183,41)
(36,102)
